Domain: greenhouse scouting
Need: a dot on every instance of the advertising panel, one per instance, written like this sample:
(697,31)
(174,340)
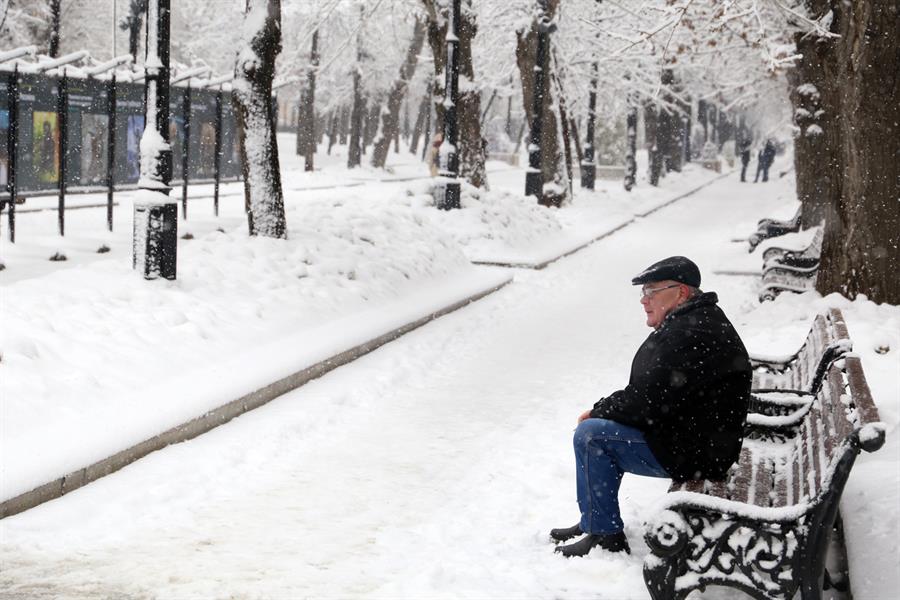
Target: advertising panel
(94,144)
(45,149)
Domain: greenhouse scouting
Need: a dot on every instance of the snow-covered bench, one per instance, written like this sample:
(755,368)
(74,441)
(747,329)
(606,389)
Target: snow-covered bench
(807,257)
(781,278)
(785,385)
(803,370)
(769,228)
(765,529)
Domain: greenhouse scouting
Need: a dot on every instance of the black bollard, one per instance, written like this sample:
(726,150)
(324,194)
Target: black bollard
(156,239)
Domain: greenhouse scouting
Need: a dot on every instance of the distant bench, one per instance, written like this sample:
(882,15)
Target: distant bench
(765,529)
(769,228)
(790,271)
(713,164)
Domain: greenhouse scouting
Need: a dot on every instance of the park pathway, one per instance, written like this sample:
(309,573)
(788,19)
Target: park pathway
(432,467)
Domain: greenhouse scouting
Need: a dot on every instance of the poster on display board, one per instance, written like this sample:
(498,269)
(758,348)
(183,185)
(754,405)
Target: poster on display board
(4,156)
(134,129)
(129,129)
(45,146)
(176,130)
(201,161)
(94,148)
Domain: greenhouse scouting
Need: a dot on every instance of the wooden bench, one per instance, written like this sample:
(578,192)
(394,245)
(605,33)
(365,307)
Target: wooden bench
(827,340)
(783,386)
(807,257)
(781,278)
(769,228)
(713,164)
(765,529)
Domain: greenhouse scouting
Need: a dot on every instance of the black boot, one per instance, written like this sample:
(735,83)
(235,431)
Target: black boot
(614,542)
(566,533)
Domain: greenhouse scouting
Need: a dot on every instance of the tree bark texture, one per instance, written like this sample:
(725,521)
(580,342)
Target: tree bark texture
(651,135)
(471,144)
(631,122)
(253,74)
(390,116)
(817,131)
(861,248)
(420,129)
(308,114)
(671,125)
(354,152)
(553,165)
(55,15)
(370,124)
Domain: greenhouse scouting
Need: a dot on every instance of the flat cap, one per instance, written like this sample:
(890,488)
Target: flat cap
(675,268)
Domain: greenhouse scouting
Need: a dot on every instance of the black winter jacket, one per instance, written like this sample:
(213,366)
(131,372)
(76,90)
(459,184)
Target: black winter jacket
(688,392)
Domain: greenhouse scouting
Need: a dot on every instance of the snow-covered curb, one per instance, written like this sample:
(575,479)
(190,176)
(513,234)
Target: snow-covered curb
(286,367)
(543,256)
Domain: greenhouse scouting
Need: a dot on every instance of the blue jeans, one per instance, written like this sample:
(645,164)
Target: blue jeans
(604,451)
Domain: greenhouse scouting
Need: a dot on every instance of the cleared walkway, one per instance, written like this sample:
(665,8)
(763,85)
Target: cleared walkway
(430,468)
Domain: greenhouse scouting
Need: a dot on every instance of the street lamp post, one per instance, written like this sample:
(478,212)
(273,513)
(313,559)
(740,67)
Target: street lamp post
(449,151)
(155,240)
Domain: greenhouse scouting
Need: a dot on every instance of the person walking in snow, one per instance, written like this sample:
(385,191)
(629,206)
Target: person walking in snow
(745,158)
(681,415)
(765,160)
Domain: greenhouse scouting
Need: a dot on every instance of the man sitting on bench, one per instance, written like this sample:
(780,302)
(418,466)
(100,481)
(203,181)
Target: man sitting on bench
(681,415)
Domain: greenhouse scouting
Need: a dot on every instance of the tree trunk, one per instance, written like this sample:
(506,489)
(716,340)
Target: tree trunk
(308,110)
(333,128)
(671,128)
(55,14)
(132,23)
(390,121)
(419,128)
(354,152)
(817,139)
(370,125)
(253,74)
(344,127)
(471,143)
(861,248)
(553,165)
(651,134)
(631,145)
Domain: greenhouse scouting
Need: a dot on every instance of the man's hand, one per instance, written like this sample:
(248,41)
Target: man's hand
(585,415)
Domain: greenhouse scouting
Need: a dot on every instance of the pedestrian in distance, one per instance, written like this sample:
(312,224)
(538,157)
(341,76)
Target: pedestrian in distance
(681,416)
(765,160)
(745,158)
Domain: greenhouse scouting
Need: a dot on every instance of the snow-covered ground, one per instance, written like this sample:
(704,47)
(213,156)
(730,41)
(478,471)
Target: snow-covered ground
(434,466)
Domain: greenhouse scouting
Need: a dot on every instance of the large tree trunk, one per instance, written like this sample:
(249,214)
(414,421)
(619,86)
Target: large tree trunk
(553,163)
(471,144)
(253,74)
(861,249)
(817,141)
(390,121)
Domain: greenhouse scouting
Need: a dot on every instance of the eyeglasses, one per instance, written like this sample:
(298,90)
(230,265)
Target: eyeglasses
(649,292)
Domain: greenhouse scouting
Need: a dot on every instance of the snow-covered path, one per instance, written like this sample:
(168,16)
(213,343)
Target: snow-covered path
(431,468)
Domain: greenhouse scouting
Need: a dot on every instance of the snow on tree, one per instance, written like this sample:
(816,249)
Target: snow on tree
(390,115)
(253,73)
